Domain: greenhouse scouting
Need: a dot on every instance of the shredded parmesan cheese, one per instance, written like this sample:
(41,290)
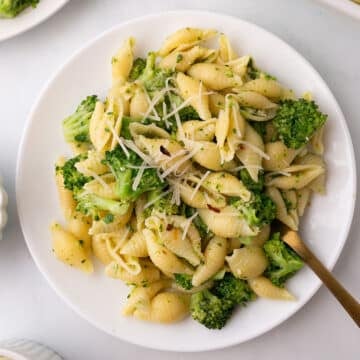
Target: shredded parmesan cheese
(156,199)
(175,166)
(98,179)
(138,177)
(187,225)
(255,149)
(131,145)
(118,139)
(201,181)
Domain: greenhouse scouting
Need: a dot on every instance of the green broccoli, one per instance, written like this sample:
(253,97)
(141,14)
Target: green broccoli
(237,291)
(137,69)
(76,126)
(73,179)
(250,183)
(162,204)
(93,205)
(259,211)
(283,261)
(297,120)
(184,281)
(12,8)
(260,127)
(125,174)
(209,310)
(153,77)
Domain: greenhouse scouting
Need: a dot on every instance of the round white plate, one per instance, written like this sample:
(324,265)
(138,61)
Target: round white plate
(29,18)
(99,299)
(345,6)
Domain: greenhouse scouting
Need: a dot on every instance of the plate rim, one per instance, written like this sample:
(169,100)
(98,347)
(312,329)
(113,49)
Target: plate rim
(37,22)
(343,8)
(30,119)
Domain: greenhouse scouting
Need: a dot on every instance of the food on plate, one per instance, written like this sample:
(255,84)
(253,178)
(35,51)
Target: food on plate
(12,8)
(179,175)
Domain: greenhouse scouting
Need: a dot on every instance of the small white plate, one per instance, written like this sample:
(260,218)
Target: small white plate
(345,6)
(29,18)
(99,299)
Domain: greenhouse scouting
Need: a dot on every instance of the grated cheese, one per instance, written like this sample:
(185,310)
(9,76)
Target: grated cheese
(98,179)
(138,177)
(255,149)
(131,145)
(201,181)
(156,199)
(175,166)
(187,225)
(118,139)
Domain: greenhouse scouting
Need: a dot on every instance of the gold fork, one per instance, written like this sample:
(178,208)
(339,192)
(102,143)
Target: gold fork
(349,303)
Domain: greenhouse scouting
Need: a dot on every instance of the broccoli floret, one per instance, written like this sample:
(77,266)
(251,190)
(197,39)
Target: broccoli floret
(259,211)
(93,205)
(162,204)
(260,127)
(73,179)
(137,69)
(125,174)
(297,120)
(250,183)
(76,126)
(237,291)
(153,77)
(283,261)
(209,310)
(184,281)
(11,8)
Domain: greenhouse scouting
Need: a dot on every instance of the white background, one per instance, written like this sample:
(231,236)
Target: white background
(28,306)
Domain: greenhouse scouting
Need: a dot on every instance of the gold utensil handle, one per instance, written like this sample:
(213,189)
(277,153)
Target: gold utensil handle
(342,295)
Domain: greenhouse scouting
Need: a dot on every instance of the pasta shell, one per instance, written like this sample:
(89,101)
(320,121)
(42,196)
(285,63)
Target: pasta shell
(182,60)
(227,184)
(69,249)
(215,76)
(135,246)
(198,130)
(196,93)
(180,246)
(187,36)
(247,262)
(250,152)
(281,211)
(226,222)
(169,307)
(280,156)
(163,258)
(254,100)
(263,287)
(122,62)
(215,253)
(149,274)
(267,87)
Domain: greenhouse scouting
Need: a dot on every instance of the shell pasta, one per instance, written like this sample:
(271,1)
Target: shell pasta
(179,175)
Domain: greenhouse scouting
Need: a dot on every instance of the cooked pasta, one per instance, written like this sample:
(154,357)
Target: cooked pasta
(180,172)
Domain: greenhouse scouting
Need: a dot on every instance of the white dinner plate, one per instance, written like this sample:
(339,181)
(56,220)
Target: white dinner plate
(29,18)
(345,6)
(98,298)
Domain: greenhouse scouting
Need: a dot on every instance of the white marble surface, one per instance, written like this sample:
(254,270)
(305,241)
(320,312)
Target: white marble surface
(28,306)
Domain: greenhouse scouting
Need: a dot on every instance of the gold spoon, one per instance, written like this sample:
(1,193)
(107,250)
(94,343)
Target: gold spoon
(349,303)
